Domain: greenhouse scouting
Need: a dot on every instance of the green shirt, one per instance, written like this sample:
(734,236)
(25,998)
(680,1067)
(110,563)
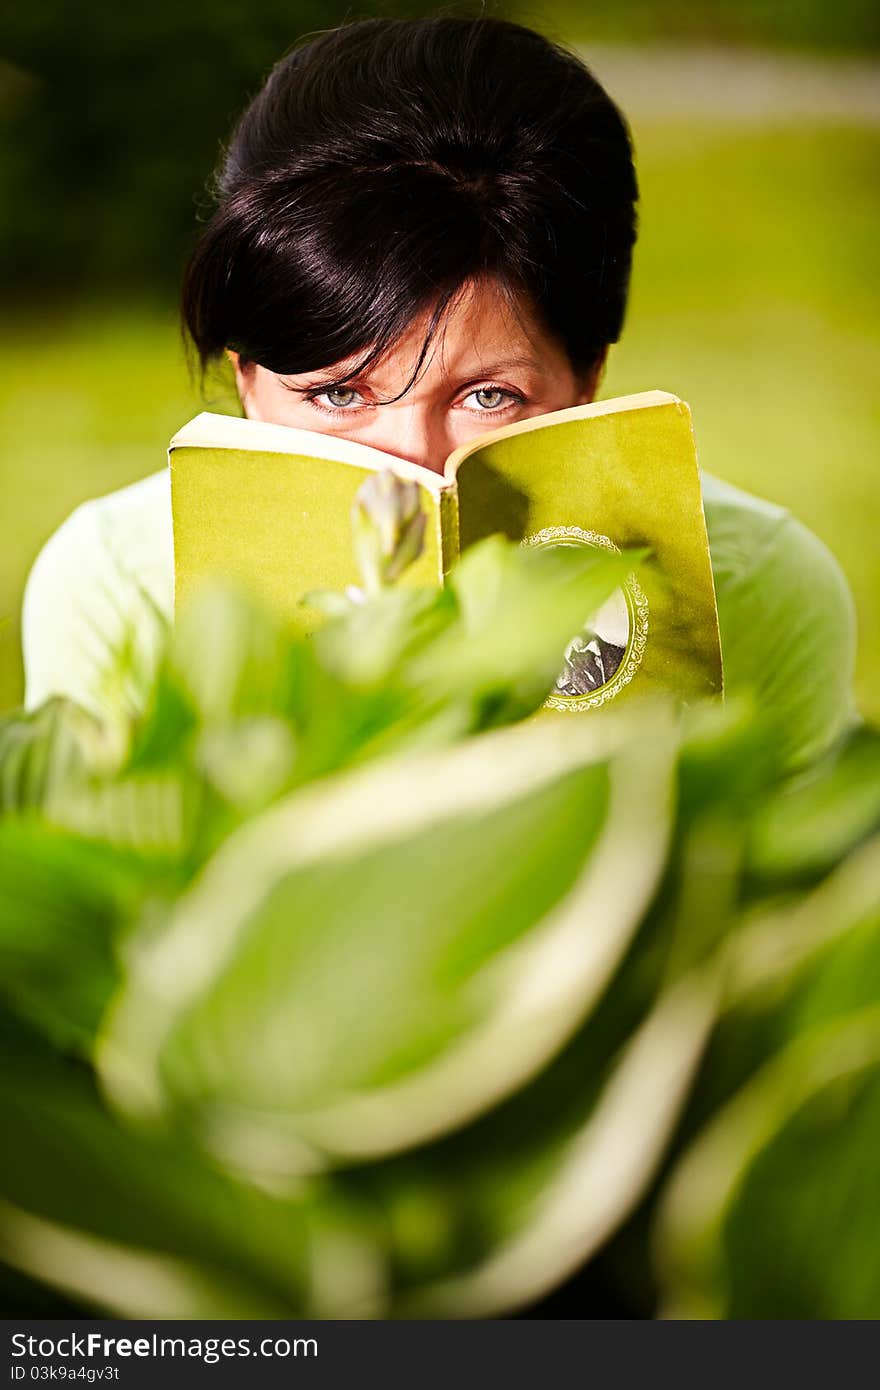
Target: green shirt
(105,581)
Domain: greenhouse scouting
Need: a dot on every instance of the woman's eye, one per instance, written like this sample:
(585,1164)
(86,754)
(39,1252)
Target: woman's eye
(340,397)
(492,398)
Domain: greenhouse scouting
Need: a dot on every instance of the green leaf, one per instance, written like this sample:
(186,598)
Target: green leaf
(524,1196)
(231,657)
(798,1037)
(63,904)
(808,826)
(378,959)
(44,751)
(518,608)
(772,1211)
(139,1225)
(365,646)
(151,813)
(793,964)
(388,528)
(784,951)
(248,762)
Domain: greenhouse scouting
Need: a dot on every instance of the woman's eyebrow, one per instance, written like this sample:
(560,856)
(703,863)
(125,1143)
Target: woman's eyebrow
(505,364)
(320,380)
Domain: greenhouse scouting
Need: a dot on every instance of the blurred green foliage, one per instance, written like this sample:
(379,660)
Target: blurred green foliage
(341,999)
(804,24)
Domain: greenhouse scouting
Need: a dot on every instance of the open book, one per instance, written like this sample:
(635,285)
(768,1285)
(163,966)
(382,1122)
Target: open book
(270,506)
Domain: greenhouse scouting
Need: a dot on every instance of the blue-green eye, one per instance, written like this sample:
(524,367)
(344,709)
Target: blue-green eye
(489,397)
(341,396)
(492,398)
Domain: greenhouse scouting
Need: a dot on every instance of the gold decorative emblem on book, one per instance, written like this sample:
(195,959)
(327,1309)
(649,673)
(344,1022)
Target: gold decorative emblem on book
(604,656)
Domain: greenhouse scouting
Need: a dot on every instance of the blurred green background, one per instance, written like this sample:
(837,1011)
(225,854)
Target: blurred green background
(756,288)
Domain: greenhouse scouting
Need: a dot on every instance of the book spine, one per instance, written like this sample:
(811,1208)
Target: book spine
(449,533)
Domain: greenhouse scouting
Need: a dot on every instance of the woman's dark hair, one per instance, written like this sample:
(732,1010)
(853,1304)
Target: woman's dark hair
(385,164)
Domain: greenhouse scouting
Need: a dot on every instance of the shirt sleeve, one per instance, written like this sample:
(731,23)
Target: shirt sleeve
(92,621)
(787,618)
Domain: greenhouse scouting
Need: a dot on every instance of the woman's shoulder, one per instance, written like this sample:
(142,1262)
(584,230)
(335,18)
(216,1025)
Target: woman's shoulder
(138,516)
(103,580)
(786,615)
(127,528)
(750,536)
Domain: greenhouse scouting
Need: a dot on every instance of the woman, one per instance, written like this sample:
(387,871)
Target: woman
(425,229)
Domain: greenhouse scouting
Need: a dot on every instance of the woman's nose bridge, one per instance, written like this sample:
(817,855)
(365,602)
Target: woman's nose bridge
(414,430)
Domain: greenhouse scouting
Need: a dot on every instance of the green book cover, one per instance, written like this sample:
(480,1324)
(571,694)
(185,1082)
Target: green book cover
(270,506)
